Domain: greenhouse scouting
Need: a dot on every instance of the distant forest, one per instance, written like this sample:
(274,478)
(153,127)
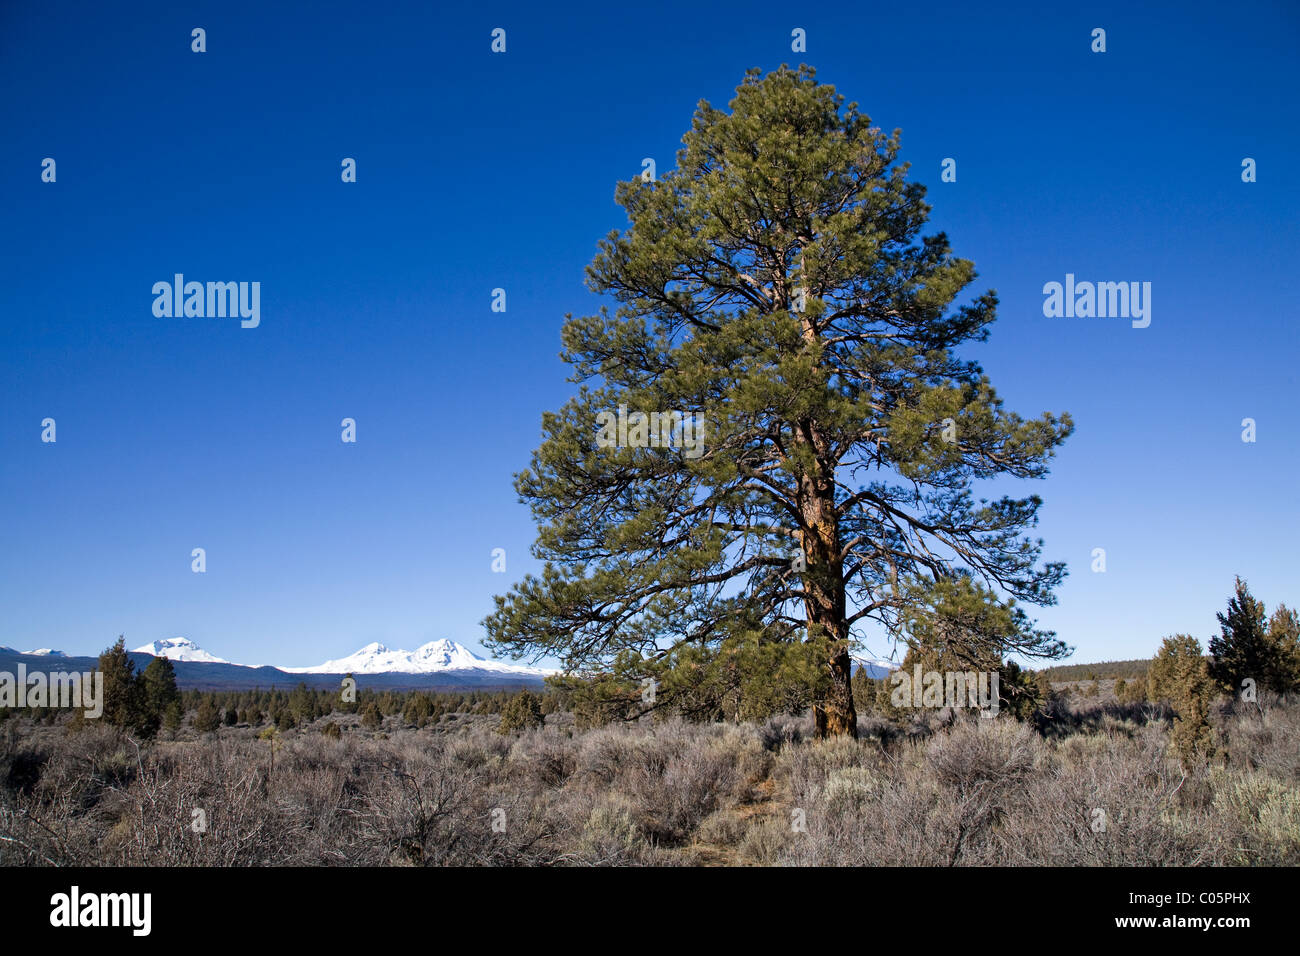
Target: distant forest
(1104,671)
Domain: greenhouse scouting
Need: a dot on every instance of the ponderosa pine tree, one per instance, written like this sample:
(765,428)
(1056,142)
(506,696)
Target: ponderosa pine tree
(776,284)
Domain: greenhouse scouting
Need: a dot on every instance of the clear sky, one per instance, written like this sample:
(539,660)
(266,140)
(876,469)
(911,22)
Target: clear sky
(478,171)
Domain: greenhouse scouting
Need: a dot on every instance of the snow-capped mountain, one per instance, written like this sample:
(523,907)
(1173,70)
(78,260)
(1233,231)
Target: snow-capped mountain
(179,649)
(432,658)
(439,665)
(874,667)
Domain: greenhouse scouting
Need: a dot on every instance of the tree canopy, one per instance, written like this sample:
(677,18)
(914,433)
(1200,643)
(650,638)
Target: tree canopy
(776,286)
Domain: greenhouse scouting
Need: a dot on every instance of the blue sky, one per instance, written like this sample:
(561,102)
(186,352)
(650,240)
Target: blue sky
(477,171)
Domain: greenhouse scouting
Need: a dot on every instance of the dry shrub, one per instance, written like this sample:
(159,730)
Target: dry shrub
(1101,788)
(925,802)
(1265,738)
(1109,801)
(612,834)
(766,841)
(1265,818)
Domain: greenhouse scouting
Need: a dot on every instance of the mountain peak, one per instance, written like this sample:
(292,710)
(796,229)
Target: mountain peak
(447,653)
(875,667)
(179,649)
(443,654)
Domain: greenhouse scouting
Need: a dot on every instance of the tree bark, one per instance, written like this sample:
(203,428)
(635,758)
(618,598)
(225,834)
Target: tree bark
(834,714)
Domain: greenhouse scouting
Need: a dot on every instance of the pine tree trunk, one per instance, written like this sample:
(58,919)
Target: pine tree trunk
(834,714)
